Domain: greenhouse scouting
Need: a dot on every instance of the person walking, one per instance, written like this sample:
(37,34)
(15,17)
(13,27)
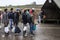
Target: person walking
(11,17)
(16,17)
(30,21)
(5,16)
(0,18)
(24,19)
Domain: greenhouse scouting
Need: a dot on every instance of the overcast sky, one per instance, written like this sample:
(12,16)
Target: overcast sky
(19,2)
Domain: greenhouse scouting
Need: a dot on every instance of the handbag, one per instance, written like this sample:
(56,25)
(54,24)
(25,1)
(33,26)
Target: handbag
(34,27)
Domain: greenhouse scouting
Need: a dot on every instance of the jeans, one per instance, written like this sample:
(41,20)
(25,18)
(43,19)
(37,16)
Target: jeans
(31,25)
(10,22)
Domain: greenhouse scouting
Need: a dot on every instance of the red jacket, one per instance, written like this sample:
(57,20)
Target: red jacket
(30,11)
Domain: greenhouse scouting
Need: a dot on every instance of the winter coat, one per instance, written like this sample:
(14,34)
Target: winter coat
(10,15)
(24,18)
(5,17)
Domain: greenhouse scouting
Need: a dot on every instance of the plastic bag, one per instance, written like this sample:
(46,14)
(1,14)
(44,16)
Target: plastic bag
(34,27)
(6,29)
(25,28)
(13,29)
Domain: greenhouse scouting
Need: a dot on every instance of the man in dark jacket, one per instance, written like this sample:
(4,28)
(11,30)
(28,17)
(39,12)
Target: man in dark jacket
(29,20)
(16,17)
(11,17)
(24,18)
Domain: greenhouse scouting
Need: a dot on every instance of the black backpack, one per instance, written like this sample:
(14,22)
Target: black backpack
(17,30)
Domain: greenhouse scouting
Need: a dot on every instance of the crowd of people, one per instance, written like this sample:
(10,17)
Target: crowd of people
(12,18)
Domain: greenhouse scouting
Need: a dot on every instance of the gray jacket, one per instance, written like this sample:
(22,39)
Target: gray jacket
(5,17)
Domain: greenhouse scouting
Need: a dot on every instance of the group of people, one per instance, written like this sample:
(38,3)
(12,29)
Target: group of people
(12,18)
(27,17)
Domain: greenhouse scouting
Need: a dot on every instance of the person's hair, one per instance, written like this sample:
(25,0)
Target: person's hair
(11,9)
(28,10)
(5,9)
(24,11)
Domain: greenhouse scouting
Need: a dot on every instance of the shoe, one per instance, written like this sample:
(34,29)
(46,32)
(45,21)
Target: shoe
(3,36)
(25,35)
(32,33)
(6,34)
(24,32)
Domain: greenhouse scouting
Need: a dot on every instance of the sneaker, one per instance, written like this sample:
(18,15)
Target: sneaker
(24,32)
(25,35)
(32,33)
(6,34)
(3,36)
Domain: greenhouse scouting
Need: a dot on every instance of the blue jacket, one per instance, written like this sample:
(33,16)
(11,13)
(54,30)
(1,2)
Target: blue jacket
(11,15)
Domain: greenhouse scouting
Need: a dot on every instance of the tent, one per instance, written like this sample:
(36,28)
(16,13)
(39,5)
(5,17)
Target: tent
(51,9)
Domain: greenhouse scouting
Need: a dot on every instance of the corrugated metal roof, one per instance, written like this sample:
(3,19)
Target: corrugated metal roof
(57,2)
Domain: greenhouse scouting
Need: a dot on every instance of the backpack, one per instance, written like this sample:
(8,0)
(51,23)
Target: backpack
(17,30)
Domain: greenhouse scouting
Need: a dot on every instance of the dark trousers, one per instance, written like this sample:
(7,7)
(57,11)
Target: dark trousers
(31,25)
